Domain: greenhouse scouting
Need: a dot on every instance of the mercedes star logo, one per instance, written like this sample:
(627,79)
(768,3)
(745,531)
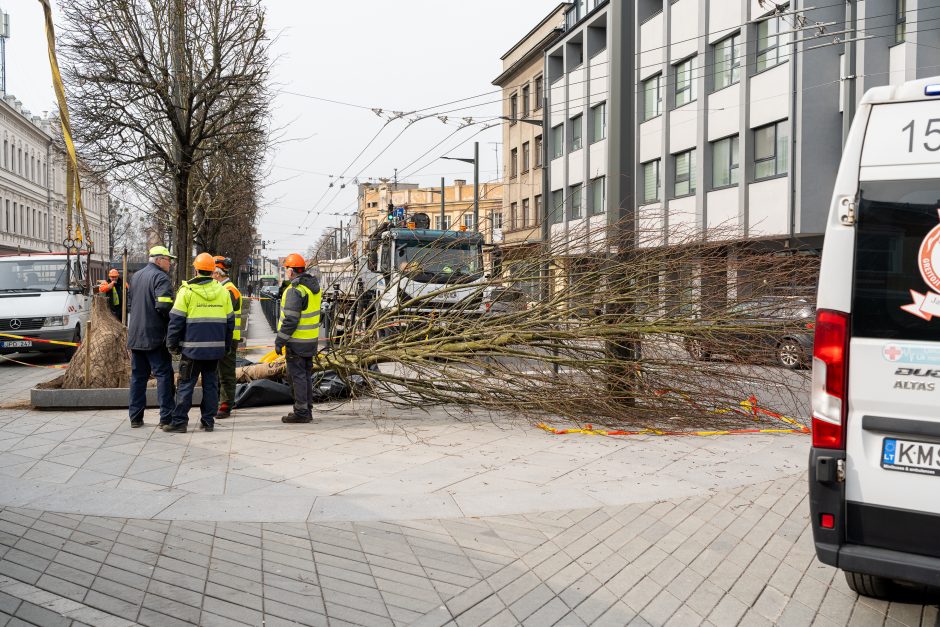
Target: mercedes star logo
(15,324)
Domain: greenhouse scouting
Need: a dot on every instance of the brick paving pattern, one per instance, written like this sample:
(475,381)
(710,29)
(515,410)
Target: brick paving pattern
(740,557)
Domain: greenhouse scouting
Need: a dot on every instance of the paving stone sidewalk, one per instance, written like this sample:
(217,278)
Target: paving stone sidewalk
(742,556)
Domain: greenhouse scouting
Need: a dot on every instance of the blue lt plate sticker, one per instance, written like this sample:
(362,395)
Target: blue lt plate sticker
(890,448)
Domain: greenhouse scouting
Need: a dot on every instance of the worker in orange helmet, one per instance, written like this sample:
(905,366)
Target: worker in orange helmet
(114,288)
(223,270)
(298,332)
(201,325)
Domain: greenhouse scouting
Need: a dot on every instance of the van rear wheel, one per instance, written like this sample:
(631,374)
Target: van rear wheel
(869,585)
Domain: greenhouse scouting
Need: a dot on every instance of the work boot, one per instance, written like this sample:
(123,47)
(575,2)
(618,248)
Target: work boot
(293,418)
(208,428)
(137,424)
(224,411)
(174,428)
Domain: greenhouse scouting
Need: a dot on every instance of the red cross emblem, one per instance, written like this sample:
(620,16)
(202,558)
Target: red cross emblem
(892,352)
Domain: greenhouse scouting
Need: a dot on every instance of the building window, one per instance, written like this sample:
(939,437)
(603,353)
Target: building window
(539,92)
(684,173)
(498,220)
(598,122)
(725,162)
(651,182)
(772,41)
(900,30)
(598,195)
(558,141)
(514,163)
(442,226)
(525,157)
(373,225)
(652,97)
(574,206)
(513,108)
(728,61)
(525,212)
(576,129)
(538,151)
(538,210)
(558,207)
(468,221)
(525,101)
(685,82)
(513,216)
(771,152)
(6,160)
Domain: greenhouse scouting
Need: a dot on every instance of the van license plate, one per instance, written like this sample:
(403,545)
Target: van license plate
(16,344)
(906,456)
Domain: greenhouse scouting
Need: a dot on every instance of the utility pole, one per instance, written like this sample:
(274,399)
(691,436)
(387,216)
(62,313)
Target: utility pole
(443,204)
(476,187)
(848,82)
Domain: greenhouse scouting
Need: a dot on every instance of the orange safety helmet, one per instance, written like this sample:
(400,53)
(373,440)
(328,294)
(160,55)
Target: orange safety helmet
(223,263)
(205,262)
(294,260)
(113,274)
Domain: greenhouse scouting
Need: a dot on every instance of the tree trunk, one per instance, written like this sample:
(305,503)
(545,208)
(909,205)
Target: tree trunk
(184,235)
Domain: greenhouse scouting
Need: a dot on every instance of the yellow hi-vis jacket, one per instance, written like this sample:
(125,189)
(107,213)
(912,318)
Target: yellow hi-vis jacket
(299,324)
(236,305)
(202,320)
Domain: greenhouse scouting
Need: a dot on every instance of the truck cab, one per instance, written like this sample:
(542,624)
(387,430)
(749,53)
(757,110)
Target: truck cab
(421,270)
(43,296)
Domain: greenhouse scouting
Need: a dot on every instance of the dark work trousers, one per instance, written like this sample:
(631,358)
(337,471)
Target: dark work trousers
(299,371)
(227,375)
(159,362)
(190,370)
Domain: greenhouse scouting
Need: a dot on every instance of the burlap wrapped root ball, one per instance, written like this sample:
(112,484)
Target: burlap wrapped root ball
(105,348)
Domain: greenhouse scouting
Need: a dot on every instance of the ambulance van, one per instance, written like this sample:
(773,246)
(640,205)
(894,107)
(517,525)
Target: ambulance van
(874,468)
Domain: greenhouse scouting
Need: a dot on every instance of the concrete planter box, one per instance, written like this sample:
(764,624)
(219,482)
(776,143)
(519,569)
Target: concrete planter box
(102,398)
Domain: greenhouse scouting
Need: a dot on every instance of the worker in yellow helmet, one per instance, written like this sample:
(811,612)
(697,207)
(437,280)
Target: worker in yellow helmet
(201,325)
(223,268)
(298,331)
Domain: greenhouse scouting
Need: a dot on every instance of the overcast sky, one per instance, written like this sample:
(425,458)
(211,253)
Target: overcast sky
(403,56)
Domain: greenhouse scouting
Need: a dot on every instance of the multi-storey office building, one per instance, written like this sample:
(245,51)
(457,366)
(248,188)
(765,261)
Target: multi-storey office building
(740,110)
(32,187)
(590,129)
(523,84)
(721,118)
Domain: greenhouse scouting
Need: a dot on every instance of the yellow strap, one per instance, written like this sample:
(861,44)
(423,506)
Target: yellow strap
(73,183)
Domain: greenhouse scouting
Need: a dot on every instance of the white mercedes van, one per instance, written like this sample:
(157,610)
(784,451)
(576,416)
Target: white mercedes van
(40,298)
(874,472)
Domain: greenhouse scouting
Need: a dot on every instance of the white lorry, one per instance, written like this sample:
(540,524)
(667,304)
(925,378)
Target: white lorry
(874,469)
(43,296)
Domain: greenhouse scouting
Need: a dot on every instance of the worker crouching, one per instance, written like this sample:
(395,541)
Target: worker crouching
(298,332)
(202,322)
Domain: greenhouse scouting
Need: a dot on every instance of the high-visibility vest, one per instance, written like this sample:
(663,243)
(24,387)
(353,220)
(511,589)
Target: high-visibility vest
(227,284)
(308,329)
(115,297)
(205,308)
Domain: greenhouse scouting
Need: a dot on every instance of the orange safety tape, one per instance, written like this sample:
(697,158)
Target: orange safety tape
(23,363)
(37,339)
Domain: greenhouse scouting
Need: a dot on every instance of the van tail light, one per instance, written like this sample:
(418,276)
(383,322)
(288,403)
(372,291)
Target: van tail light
(830,379)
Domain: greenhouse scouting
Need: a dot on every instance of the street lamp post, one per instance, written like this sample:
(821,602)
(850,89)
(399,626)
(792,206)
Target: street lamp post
(476,183)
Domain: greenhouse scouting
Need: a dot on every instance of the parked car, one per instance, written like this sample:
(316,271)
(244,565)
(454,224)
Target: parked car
(772,328)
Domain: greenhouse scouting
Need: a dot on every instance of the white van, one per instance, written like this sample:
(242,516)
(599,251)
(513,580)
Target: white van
(39,299)
(874,475)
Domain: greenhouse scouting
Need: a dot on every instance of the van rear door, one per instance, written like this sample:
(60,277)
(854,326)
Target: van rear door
(893,427)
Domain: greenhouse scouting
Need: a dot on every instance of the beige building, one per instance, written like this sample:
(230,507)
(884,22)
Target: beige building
(374,200)
(523,84)
(32,187)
